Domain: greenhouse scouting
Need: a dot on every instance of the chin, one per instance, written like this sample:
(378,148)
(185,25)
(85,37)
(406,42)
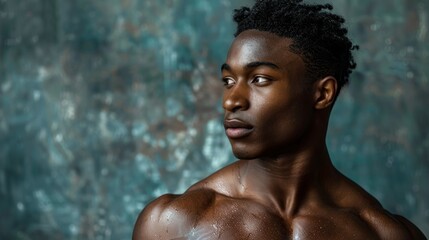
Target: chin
(245,154)
(253,151)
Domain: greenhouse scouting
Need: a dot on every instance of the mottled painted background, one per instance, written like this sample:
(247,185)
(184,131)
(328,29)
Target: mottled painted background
(106,104)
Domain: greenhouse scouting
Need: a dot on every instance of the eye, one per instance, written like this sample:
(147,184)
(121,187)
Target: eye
(260,80)
(228,82)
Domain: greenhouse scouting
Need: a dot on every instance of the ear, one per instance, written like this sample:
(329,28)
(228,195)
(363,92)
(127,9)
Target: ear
(325,91)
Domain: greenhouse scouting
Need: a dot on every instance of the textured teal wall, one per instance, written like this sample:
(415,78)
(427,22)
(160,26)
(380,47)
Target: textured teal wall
(106,104)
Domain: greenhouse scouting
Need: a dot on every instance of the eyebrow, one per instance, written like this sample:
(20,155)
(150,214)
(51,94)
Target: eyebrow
(252,65)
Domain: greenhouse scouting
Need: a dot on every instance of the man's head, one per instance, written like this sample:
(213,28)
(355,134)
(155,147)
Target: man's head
(318,35)
(282,74)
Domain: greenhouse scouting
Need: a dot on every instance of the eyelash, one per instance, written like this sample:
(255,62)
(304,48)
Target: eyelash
(258,77)
(226,79)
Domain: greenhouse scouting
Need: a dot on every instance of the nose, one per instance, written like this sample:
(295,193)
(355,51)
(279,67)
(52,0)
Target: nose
(236,98)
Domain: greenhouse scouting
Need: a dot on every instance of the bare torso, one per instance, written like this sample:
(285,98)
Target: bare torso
(215,208)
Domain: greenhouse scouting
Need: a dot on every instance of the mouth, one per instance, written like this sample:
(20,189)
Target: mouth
(236,128)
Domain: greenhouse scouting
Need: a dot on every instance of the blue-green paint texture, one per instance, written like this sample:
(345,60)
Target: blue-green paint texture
(106,104)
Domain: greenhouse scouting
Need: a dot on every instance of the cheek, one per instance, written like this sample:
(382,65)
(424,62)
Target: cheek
(284,120)
(269,109)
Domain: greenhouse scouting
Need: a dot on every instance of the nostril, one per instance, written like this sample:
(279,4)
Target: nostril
(236,108)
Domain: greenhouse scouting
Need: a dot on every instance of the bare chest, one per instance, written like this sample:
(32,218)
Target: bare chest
(254,222)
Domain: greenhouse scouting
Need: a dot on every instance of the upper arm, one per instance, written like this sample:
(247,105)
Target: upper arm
(412,229)
(390,226)
(146,219)
(141,225)
(153,222)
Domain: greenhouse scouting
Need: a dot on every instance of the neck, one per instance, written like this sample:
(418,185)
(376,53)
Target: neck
(286,182)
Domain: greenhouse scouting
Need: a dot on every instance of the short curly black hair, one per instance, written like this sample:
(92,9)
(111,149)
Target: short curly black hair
(318,35)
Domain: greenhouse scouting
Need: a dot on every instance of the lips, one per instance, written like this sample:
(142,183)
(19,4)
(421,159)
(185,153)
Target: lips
(236,128)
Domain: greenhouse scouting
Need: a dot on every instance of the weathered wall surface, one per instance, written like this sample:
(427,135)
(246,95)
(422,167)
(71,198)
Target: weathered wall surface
(106,104)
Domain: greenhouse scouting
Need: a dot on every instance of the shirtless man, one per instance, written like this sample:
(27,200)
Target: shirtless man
(282,75)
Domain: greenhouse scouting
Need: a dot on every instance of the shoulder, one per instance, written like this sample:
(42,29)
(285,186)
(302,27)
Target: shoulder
(172,216)
(389,226)
(206,214)
(383,223)
(411,228)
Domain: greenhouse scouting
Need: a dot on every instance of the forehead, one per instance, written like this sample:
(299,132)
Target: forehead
(253,45)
